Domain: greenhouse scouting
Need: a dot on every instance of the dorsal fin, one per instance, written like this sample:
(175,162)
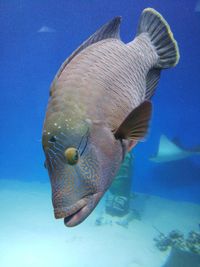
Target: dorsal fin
(152,80)
(109,30)
(135,125)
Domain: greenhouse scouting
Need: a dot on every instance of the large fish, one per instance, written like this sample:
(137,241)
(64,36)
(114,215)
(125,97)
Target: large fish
(100,107)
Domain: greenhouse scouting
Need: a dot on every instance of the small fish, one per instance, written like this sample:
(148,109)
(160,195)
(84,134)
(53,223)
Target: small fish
(99,108)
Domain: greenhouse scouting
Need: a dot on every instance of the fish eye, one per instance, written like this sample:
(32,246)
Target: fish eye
(71,155)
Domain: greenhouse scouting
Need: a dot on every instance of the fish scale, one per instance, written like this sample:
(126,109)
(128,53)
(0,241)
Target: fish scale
(122,78)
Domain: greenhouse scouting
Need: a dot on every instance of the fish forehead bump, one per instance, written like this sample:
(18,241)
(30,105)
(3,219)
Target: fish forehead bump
(56,123)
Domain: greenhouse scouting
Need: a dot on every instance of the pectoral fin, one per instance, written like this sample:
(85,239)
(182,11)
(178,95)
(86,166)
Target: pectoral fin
(136,124)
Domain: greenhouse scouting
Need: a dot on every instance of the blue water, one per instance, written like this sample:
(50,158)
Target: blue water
(30,57)
(29,61)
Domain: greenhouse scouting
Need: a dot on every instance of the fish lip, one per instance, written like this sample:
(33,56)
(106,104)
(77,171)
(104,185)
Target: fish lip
(69,210)
(81,212)
(74,218)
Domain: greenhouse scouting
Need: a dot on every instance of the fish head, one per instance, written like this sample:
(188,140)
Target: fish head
(82,161)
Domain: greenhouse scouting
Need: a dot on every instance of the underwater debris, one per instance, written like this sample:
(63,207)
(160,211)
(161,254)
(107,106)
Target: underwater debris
(99,221)
(181,258)
(117,205)
(132,215)
(118,201)
(103,221)
(175,239)
(122,221)
(193,242)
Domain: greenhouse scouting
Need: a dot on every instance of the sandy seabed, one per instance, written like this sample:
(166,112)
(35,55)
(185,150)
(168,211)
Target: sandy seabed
(31,237)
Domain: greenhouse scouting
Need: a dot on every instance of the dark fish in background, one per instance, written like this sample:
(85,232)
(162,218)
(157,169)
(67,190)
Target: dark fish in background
(99,108)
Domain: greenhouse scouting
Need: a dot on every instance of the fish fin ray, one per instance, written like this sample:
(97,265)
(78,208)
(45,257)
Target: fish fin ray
(161,37)
(109,30)
(136,124)
(152,80)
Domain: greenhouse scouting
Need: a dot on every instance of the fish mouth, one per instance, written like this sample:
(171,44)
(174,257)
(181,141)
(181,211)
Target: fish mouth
(78,212)
(76,217)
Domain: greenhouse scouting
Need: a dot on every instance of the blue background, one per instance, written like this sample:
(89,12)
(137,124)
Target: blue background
(29,61)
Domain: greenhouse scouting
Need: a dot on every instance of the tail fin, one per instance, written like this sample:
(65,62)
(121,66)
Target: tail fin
(161,37)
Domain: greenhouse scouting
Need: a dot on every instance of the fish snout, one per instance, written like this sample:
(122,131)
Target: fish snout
(65,211)
(78,212)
